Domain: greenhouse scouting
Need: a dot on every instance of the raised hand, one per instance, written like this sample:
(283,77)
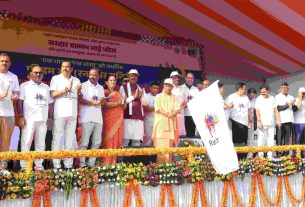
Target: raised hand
(79,88)
(136,95)
(69,86)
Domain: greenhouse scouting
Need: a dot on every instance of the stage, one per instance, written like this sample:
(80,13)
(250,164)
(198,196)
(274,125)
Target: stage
(111,195)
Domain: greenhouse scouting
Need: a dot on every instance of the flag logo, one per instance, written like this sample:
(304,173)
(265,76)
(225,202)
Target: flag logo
(210,122)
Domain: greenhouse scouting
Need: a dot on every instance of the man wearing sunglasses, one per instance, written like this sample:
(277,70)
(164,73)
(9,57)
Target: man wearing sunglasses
(34,113)
(125,81)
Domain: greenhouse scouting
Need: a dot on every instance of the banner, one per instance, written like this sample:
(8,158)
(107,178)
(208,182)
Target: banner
(208,114)
(26,38)
(21,64)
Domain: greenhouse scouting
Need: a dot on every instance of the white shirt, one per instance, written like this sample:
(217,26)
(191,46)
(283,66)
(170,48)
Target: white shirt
(149,100)
(178,91)
(65,106)
(266,108)
(227,111)
(189,93)
(6,103)
(15,81)
(91,93)
(286,116)
(36,99)
(299,115)
(240,110)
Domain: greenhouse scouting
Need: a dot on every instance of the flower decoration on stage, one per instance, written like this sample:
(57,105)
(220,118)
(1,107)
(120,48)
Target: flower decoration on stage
(14,185)
(189,143)
(18,185)
(211,121)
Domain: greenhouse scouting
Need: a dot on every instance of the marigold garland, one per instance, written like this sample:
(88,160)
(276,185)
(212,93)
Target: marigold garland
(36,202)
(29,167)
(128,192)
(194,201)
(162,196)
(224,197)
(204,199)
(234,199)
(136,190)
(171,196)
(47,199)
(84,198)
(253,191)
(291,197)
(93,198)
(234,194)
(41,193)
(199,187)
(264,195)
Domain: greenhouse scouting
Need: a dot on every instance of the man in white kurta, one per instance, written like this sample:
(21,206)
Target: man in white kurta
(33,110)
(284,103)
(9,92)
(91,118)
(148,104)
(134,114)
(190,91)
(265,113)
(240,114)
(64,90)
(178,91)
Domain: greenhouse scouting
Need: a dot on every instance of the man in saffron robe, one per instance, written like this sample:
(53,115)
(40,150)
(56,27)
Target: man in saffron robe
(166,130)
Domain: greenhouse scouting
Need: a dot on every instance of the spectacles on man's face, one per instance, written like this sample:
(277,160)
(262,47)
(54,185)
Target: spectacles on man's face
(37,73)
(125,81)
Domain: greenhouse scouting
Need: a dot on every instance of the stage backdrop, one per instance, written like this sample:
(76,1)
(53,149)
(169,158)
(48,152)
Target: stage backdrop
(29,43)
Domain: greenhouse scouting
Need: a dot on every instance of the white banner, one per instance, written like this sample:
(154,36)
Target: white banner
(208,114)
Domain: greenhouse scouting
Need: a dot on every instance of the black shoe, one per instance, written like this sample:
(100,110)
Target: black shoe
(68,168)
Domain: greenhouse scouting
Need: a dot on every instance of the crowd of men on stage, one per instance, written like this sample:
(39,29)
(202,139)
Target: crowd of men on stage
(154,118)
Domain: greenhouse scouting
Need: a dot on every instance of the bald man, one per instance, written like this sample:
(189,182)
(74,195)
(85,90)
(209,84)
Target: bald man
(34,113)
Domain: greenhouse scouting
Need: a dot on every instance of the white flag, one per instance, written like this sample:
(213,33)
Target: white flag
(208,114)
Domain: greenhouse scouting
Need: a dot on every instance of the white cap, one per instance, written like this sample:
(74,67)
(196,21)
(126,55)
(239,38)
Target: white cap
(168,81)
(302,89)
(174,73)
(133,71)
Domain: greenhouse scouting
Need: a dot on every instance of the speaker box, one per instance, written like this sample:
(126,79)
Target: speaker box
(145,159)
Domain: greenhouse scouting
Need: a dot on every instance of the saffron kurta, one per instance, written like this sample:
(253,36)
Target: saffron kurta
(164,127)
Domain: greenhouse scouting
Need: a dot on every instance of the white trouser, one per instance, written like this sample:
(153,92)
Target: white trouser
(251,135)
(265,137)
(64,127)
(133,130)
(15,139)
(148,130)
(40,130)
(88,129)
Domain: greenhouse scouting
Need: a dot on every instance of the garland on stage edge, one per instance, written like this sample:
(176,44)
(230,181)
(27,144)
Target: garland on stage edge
(18,185)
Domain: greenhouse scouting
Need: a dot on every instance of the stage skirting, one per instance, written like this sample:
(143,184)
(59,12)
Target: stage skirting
(111,195)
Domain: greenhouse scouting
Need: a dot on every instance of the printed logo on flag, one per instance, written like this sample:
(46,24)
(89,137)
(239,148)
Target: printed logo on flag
(211,121)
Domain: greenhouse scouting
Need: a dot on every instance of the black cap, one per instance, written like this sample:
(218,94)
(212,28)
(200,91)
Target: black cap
(285,84)
(220,84)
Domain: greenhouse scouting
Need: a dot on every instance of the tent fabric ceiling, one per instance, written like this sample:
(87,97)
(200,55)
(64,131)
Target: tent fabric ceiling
(248,39)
